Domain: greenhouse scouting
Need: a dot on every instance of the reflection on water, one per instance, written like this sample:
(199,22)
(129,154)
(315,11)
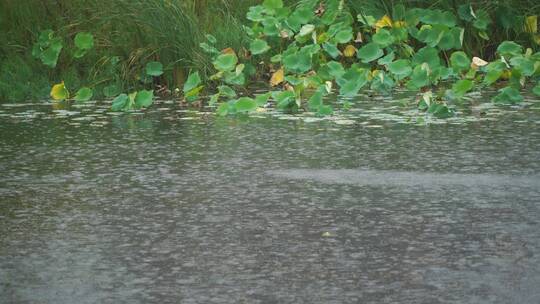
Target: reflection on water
(172,206)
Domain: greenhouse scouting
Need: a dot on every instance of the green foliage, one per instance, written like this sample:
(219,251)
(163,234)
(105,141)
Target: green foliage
(154,68)
(134,101)
(84,94)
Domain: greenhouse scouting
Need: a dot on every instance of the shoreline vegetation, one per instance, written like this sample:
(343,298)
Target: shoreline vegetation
(132,51)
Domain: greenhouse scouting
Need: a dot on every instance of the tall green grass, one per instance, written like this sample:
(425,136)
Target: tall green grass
(135,31)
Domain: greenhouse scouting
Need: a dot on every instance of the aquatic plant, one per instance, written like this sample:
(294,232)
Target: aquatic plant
(318,44)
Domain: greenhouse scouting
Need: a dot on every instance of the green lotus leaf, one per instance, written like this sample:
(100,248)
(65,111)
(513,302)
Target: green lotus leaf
(193,81)
(482,20)
(306,30)
(84,41)
(226,91)
(335,69)
(509,48)
(387,59)
(332,50)
(120,102)
(461,87)
(427,55)
(460,61)
(225,62)
(383,38)
(262,99)
(84,94)
(258,46)
(344,36)
(440,110)
(144,99)
(370,52)
(111,91)
(401,68)
(508,95)
(419,78)
(536,90)
(273,4)
(352,81)
(466,12)
(245,104)
(154,68)
(524,65)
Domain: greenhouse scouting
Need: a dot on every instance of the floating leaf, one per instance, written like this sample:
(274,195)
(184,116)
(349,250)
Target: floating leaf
(508,95)
(84,94)
(111,91)
(273,4)
(461,87)
(482,20)
(536,90)
(258,46)
(192,82)
(383,38)
(144,99)
(59,92)
(226,62)
(84,41)
(120,102)
(401,68)
(50,56)
(226,91)
(154,68)
(387,59)
(262,99)
(509,48)
(277,77)
(344,36)
(370,52)
(306,30)
(332,50)
(246,104)
(440,111)
(460,61)
(427,55)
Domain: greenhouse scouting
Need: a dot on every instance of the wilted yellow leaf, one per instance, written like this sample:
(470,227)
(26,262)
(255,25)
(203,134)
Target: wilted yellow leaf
(478,62)
(531,24)
(59,92)
(228,51)
(385,21)
(277,77)
(537,39)
(359,38)
(349,51)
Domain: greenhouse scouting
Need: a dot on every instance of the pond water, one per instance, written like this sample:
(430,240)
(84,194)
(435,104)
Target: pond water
(177,206)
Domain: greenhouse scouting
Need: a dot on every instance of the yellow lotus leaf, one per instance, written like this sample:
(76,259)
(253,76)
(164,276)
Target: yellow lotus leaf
(506,75)
(349,51)
(537,39)
(277,77)
(399,24)
(59,92)
(531,24)
(385,21)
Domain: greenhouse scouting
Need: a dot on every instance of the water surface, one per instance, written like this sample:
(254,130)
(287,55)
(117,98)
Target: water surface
(170,206)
